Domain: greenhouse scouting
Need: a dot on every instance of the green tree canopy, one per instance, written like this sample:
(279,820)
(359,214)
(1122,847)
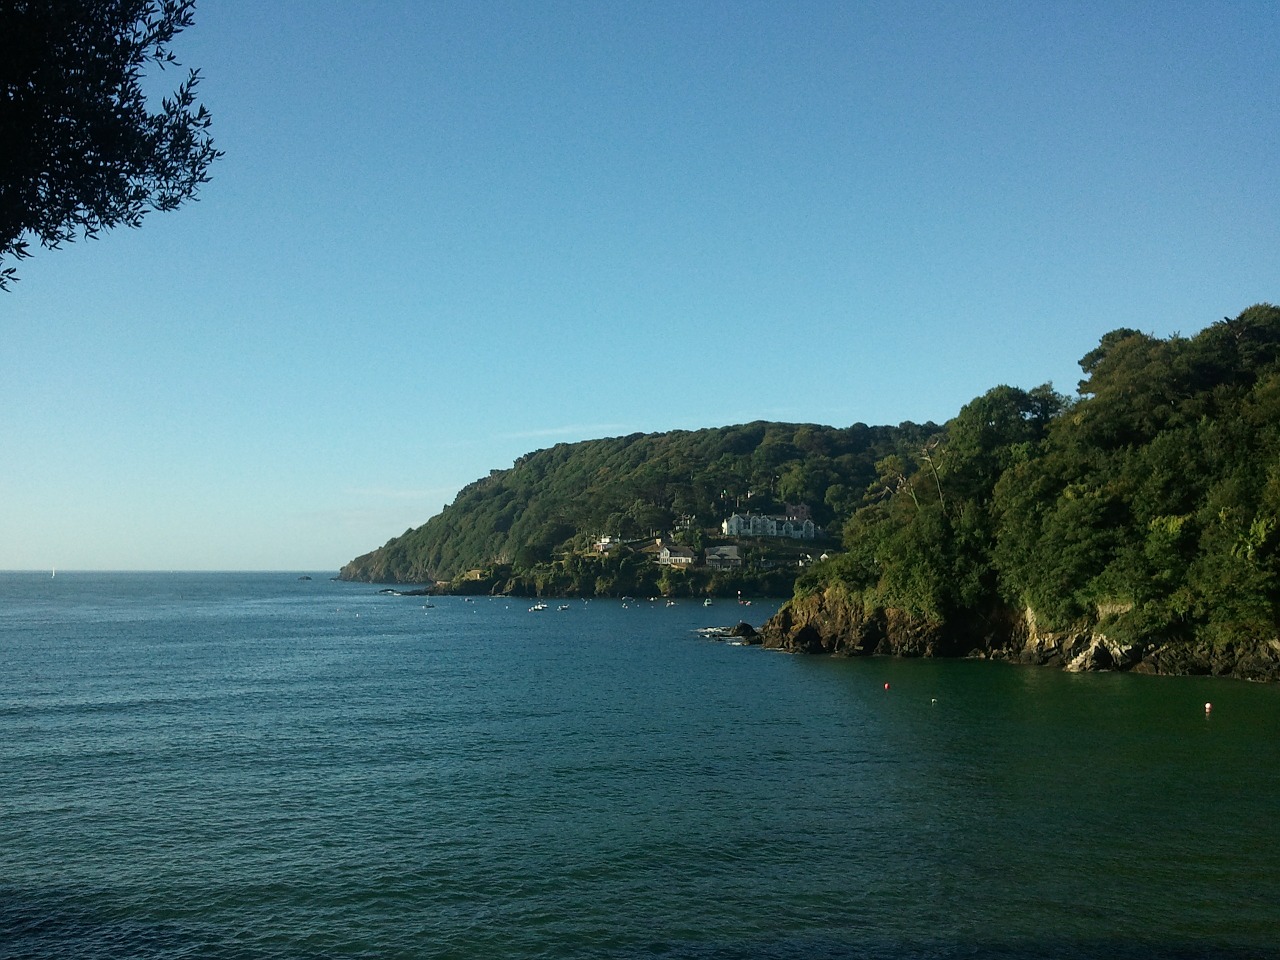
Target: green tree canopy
(1149,506)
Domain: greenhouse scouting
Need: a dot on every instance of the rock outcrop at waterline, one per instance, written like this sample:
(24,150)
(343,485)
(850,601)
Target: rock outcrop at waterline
(838,623)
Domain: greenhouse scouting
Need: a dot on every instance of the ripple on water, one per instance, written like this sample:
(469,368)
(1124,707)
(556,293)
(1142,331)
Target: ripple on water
(269,777)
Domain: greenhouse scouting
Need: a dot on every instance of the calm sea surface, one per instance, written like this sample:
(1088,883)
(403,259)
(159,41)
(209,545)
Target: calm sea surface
(253,766)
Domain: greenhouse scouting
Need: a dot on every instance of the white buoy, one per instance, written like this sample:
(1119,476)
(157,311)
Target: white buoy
(1208,708)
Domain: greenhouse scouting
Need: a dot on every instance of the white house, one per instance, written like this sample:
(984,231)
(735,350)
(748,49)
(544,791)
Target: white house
(759,525)
(674,555)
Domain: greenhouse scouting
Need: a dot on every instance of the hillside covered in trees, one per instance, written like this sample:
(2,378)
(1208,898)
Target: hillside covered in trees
(535,523)
(1133,526)
(1142,511)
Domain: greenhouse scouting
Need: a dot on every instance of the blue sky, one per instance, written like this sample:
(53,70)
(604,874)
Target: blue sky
(446,234)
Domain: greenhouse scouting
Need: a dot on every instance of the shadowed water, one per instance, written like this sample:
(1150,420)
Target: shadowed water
(251,766)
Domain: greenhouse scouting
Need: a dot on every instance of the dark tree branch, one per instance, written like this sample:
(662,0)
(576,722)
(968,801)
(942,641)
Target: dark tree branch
(82,150)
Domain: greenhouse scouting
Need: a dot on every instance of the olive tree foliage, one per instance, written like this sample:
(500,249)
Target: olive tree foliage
(83,148)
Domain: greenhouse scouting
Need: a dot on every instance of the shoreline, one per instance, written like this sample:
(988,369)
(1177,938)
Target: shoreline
(832,623)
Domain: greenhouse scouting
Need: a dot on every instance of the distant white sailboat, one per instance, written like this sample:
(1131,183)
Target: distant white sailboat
(53,572)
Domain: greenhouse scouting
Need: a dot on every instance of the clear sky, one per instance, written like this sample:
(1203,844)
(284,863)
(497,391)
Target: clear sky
(446,234)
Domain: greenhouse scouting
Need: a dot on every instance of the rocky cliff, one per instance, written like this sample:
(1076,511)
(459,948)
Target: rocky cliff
(837,622)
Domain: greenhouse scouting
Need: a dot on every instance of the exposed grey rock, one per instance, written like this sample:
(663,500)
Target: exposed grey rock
(836,622)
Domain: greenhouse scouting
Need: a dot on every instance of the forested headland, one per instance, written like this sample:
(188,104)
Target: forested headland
(1133,525)
(534,528)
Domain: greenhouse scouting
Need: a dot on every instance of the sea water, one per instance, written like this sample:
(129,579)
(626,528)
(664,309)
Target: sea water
(257,766)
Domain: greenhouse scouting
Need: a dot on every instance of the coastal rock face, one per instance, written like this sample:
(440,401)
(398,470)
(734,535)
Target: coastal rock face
(836,622)
(372,568)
